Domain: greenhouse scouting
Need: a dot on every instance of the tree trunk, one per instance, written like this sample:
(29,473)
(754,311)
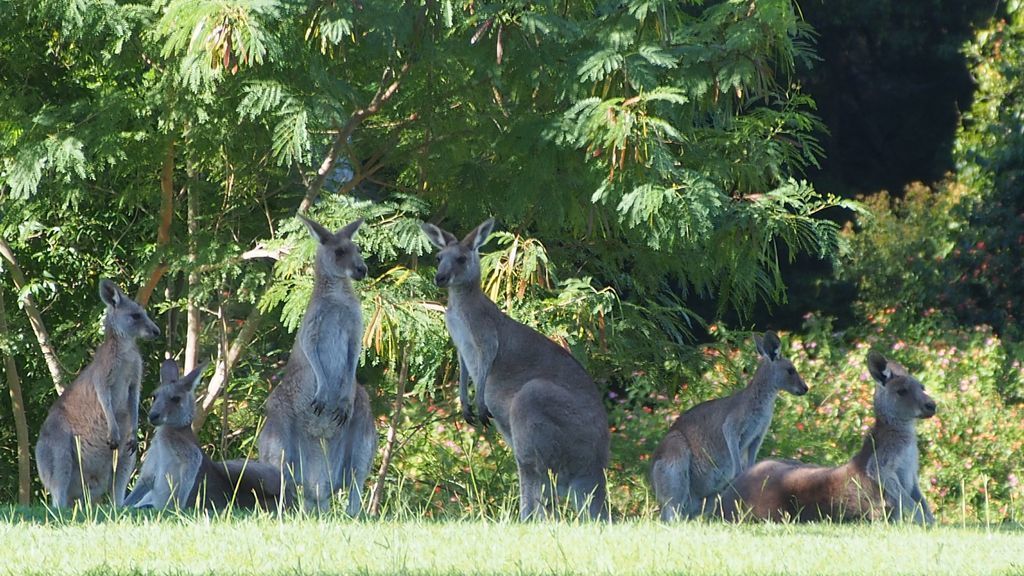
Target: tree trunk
(20,423)
(163,231)
(192,314)
(389,446)
(35,319)
(223,369)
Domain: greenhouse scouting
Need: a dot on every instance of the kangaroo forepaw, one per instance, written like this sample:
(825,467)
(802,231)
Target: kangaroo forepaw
(132,446)
(340,417)
(318,406)
(468,416)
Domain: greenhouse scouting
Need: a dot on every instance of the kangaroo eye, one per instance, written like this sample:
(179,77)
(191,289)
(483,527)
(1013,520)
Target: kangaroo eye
(439,258)
(136,316)
(902,391)
(176,399)
(791,371)
(461,259)
(340,251)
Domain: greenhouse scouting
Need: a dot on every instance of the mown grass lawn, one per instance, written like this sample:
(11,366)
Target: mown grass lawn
(32,543)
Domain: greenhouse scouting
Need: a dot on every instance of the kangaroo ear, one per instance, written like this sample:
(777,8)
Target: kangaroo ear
(169,372)
(475,239)
(438,237)
(318,232)
(349,230)
(769,346)
(878,366)
(191,380)
(110,294)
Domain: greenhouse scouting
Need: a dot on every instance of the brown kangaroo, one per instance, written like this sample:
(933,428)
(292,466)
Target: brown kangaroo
(879,482)
(97,417)
(543,402)
(176,473)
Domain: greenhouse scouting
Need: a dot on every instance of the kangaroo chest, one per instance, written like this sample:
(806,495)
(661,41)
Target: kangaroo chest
(127,374)
(331,325)
(171,454)
(457,321)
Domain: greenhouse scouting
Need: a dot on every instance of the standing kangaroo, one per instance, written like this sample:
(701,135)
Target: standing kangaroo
(319,426)
(880,480)
(87,444)
(713,442)
(544,404)
(176,473)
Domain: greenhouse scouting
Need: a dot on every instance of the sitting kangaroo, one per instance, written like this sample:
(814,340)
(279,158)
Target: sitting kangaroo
(880,480)
(176,473)
(544,404)
(713,442)
(319,427)
(87,444)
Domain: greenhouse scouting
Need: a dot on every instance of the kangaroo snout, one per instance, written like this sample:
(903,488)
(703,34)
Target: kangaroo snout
(441,280)
(359,272)
(153,332)
(928,409)
(801,389)
(154,417)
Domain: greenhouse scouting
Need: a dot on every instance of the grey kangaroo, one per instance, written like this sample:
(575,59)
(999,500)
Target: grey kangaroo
(87,444)
(543,402)
(879,482)
(713,442)
(176,473)
(319,426)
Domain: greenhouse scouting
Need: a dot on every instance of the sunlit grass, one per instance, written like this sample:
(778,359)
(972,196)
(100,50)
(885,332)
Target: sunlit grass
(111,542)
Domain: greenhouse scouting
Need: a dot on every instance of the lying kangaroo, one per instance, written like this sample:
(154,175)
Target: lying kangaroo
(880,480)
(176,473)
(87,443)
(711,443)
(319,426)
(544,404)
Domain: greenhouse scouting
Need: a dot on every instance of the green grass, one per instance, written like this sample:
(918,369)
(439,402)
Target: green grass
(34,543)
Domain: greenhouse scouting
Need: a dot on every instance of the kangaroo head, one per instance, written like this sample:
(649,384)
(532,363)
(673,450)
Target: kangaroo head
(778,371)
(898,396)
(125,317)
(337,256)
(458,263)
(174,401)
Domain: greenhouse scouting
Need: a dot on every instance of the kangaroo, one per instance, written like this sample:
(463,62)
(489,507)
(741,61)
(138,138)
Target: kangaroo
(713,442)
(87,444)
(544,404)
(319,426)
(176,473)
(880,480)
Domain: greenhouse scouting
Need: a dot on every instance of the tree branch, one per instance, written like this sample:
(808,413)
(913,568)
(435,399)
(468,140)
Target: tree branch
(35,318)
(163,231)
(389,86)
(20,422)
(389,447)
(220,375)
